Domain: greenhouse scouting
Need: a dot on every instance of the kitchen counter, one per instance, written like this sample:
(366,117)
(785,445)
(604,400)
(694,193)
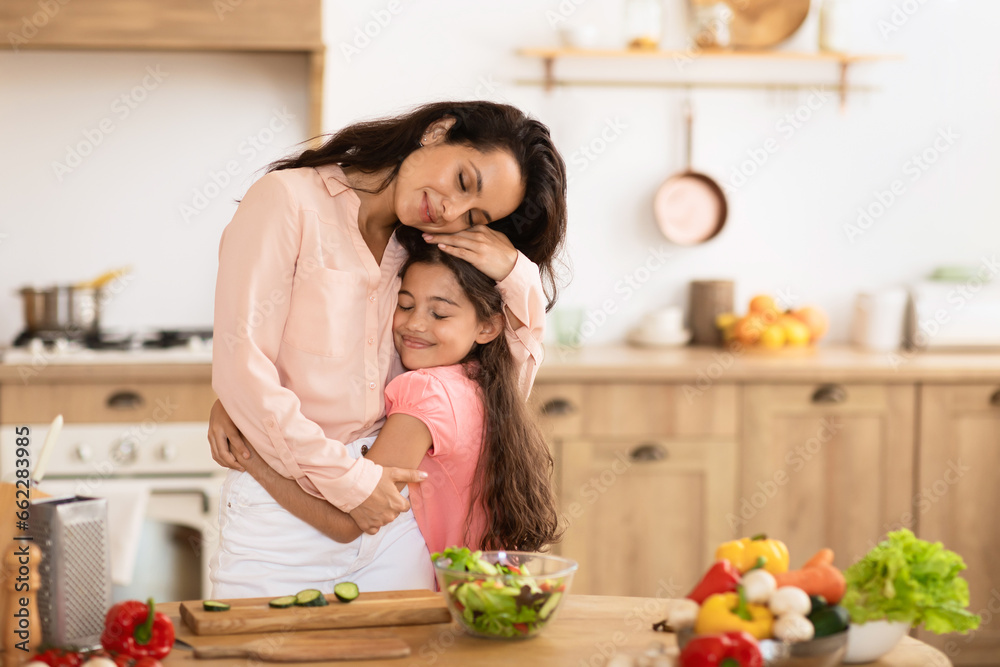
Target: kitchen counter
(588,630)
(831,363)
(620,362)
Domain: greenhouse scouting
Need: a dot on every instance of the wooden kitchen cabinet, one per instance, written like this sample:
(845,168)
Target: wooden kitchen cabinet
(957,499)
(106,402)
(826,465)
(645,478)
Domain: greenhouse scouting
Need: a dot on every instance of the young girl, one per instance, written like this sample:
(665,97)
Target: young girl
(459,416)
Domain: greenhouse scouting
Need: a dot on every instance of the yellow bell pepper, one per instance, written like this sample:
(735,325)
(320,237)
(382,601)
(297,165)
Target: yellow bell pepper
(745,553)
(730,612)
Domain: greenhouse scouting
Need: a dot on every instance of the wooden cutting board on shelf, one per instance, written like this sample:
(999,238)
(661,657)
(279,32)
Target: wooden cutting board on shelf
(251,615)
(762,24)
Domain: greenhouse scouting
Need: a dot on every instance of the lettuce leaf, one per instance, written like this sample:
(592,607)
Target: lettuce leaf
(908,579)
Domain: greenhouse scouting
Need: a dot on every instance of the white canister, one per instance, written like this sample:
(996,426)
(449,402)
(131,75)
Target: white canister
(836,26)
(879,320)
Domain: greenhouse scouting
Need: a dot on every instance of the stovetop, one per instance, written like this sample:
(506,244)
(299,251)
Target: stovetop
(153,347)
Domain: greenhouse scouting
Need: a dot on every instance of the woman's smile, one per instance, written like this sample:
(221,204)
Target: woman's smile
(426,212)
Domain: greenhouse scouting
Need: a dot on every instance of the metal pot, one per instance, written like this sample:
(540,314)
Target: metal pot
(62,309)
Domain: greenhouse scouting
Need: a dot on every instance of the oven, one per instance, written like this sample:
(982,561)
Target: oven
(163,492)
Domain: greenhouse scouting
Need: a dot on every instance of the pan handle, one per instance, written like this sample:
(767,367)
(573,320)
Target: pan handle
(688,125)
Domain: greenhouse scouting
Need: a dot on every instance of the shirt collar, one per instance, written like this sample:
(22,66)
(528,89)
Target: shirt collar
(334,178)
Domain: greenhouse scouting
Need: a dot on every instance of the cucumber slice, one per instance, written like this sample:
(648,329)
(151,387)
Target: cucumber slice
(310,598)
(282,602)
(549,606)
(346,591)
(213,605)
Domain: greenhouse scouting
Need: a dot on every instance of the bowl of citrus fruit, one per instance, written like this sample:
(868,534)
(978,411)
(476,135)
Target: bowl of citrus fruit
(768,327)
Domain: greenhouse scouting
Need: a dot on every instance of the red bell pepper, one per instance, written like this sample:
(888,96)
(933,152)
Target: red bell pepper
(732,649)
(720,578)
(137,630)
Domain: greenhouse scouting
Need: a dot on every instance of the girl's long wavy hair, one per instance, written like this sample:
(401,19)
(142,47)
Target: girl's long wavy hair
(537,227)
(513,480)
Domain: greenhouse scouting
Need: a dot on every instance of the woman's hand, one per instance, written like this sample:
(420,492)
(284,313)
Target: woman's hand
(486,249)
(225,439)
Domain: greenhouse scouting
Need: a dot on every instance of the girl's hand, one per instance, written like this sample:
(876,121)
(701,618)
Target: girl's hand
(225,439)
(486,249)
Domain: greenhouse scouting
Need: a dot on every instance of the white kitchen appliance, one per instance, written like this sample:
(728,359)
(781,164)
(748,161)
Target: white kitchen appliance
(172,463)
(164,469)
(954,315)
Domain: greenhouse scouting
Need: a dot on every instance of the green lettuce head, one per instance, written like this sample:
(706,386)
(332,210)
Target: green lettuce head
(907,579)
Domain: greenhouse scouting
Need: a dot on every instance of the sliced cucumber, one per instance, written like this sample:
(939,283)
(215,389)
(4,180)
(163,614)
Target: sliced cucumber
(310,598)
(549,606)
(346,591)
(213,605)
(282,602)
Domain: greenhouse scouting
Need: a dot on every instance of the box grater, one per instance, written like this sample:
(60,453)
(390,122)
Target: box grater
(72,532)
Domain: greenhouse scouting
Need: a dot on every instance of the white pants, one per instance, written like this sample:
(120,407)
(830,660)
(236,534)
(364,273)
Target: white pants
(265,551)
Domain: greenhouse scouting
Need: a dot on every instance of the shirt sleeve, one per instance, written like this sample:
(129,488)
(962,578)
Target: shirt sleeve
(425,397)
(522,292)
(257,257)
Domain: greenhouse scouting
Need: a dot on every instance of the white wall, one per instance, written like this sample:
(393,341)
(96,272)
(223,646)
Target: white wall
(786,230)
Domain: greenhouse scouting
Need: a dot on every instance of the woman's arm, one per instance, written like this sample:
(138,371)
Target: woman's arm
(402,443)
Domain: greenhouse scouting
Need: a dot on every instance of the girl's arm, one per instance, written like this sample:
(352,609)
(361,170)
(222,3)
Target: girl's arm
(402,442)
(520,286)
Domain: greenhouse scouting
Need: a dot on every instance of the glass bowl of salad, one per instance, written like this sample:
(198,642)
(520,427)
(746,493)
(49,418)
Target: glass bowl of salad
(503,594)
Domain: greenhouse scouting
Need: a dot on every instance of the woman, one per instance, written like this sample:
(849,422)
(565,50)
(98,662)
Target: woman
(307,282)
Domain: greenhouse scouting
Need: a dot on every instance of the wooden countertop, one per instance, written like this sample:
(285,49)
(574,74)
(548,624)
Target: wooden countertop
(822,363)
(623,363)
(589,629)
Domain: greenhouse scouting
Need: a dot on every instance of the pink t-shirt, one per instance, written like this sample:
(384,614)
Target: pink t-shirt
(447,401)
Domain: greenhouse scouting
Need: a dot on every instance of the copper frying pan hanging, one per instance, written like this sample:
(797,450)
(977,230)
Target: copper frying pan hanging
(690,207)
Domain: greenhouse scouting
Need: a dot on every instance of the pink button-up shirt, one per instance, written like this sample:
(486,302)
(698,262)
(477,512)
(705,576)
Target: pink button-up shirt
(303,316)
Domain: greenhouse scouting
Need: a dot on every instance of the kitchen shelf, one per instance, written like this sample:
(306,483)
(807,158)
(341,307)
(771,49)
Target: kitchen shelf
(844,61)
(252,26)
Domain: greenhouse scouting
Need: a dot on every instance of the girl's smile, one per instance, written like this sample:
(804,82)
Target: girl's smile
(435,324)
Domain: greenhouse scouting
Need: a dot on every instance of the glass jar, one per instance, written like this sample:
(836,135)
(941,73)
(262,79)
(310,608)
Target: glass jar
(836,26)
(710,23)
(643,24)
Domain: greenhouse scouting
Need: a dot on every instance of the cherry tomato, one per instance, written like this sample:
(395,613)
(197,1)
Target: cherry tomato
(123,660)
(57,657)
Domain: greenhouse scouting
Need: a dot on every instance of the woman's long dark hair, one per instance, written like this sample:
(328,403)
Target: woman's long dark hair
(538,226)
(513,481)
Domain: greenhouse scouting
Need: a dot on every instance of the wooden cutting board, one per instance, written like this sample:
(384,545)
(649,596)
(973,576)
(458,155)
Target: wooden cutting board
(309,647)
(369,610)
(762,24)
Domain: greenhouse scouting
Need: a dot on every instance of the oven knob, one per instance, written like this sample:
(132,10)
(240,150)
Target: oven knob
(84,453)
(125,452)
(168,451)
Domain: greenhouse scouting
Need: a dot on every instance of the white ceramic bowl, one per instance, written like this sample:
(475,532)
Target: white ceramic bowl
(870,641)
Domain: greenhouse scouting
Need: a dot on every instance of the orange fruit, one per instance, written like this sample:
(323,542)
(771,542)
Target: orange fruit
(748,329)
(762,303)
(815,319)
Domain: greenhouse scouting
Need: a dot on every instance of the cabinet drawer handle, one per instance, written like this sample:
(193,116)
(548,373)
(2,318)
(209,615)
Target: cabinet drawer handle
(829,393)
(995,399)
(125,400)
(648,452)
(558,407)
